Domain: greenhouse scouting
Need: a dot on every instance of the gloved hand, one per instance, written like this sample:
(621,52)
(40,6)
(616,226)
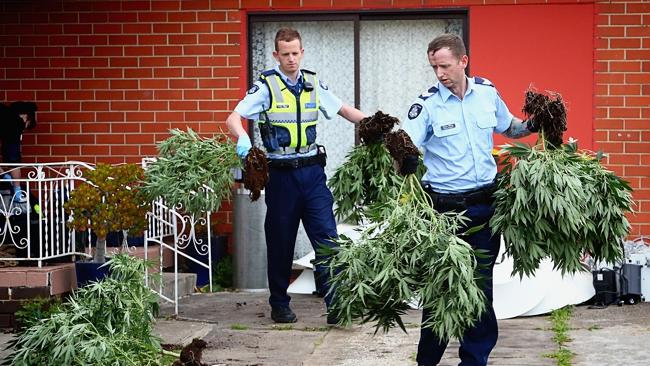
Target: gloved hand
(532,125)
(409,165)
(243,145)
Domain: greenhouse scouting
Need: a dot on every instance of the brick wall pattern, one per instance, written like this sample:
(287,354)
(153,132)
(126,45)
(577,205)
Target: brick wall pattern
(111,77)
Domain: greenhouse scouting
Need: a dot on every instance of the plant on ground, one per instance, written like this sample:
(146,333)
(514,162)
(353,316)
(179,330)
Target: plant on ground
(560,326)
(109,322)
(237,326)
(412,253)
(34,310)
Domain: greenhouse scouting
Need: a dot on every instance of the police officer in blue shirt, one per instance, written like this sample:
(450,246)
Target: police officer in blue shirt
(453,123)
(285,102)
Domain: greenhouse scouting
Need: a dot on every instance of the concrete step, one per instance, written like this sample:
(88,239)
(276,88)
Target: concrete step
(186,284)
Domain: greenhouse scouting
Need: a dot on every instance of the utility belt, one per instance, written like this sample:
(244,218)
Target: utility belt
(319,159)
(443,202)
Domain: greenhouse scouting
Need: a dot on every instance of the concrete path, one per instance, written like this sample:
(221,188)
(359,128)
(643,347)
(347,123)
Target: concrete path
(238,330)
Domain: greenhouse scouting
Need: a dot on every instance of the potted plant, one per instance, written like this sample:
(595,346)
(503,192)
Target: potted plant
(194,175)
(109,200)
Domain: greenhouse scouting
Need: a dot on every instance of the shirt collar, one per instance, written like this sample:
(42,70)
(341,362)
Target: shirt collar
(286,78)
(446,93)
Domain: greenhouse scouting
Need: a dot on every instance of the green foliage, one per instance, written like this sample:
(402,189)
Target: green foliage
(413,253)
(106,323)
(222,274)
(109,200)
(366,178)
(35,310)
(560,204)
(192,171)
(560,326)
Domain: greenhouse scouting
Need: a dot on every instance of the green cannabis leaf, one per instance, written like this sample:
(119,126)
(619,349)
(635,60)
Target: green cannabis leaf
(561,204)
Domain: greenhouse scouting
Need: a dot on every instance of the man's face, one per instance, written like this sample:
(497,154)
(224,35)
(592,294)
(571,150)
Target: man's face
(449,69)
(289,55)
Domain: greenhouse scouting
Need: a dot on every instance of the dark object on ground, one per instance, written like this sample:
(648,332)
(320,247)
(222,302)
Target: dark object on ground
(192,353)
(256,172)
(399,145)
(283,314)
(373,129)
(549,113)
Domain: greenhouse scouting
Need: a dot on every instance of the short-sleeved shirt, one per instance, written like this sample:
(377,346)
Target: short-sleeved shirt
(258,100)
(457,135)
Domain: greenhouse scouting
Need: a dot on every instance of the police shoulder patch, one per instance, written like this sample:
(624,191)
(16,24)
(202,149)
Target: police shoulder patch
(481,81)
(415,110)
(253,89)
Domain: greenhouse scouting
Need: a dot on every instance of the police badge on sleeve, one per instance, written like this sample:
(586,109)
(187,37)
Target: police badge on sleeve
(415,111)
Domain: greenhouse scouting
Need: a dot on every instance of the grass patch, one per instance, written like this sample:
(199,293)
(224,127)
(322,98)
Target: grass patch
(238,326)
(282,327)
(594,327)
(560,327)
(316,329)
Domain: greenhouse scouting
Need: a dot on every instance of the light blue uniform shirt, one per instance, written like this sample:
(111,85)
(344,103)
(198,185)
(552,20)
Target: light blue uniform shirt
(258,100)
(456,135)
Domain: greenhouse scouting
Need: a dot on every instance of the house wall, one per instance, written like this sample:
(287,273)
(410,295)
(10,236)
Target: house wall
(111,77)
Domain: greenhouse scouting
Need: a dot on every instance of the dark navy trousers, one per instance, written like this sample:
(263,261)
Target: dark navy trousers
(293,195)
(478,341)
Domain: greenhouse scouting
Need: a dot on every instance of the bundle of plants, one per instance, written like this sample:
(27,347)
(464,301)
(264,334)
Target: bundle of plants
(106,323)
(367,177)
(549,113)
(399,145)
(561,204)
(192,171)
(414,253)
(256,172)
(372,129)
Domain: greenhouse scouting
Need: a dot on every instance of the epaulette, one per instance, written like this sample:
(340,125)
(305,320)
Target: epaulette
(432,90)
(308,71)
(481,81)
(269,72)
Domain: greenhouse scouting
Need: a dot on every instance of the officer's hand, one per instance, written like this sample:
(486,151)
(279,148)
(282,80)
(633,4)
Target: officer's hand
(532,125)
(409,165)
(243,145)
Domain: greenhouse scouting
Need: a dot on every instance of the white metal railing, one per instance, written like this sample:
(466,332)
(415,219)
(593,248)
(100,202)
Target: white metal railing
(172,230)
(36,229)
(33,224)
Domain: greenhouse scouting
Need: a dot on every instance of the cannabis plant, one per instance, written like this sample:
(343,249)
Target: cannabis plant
(366,177)
(192,172)
(561,204)
(106,323)
(412,253)
(109,200)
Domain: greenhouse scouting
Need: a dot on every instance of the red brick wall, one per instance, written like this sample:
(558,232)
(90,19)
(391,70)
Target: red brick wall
(111,77)
(622,97)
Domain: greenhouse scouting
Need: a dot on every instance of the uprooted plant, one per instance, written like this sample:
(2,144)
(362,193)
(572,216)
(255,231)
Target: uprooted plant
(414,253)
(367,175)
(105,323)
(556,201)
(256,172)
(549,113)
(192,171)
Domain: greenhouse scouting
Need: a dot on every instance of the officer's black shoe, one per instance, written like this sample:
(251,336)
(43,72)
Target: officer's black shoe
(332,319)
(283,314)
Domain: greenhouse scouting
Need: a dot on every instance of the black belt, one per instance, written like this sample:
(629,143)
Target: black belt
(461,201)
(320,159)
